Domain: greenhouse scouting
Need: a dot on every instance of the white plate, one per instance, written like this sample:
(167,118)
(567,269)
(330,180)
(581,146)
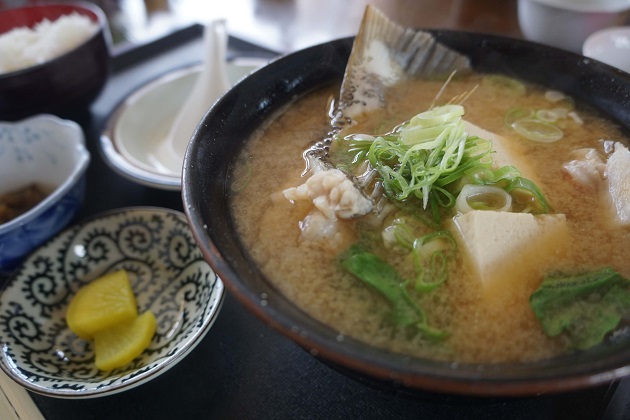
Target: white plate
(143,120)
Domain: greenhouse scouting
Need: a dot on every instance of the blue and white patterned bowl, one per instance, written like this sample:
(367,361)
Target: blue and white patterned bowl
(168,275)
(51,152)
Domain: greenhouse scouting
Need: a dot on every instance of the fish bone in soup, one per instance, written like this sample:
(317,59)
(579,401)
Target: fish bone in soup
(489,231)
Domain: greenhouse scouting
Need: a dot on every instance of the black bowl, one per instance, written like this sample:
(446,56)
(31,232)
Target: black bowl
(225,128)
(65,85)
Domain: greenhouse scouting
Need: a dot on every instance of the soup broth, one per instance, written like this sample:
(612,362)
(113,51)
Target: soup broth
(499,328)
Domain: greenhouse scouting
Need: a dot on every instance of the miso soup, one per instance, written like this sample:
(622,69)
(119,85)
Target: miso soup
(463,272)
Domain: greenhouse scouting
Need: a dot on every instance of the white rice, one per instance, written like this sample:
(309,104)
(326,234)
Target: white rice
(24,47)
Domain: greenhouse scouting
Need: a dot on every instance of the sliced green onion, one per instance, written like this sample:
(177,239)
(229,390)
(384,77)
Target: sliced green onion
(433,247)
(516,114)
(401,233)
(529,187)
(504,82)
(481,175)
(575,117)
(420,135)
(560,112)
(540,131)
(554,95)
(413,161)
(483,197)
(437,116)
(429,252)
(432,162)
(547,115)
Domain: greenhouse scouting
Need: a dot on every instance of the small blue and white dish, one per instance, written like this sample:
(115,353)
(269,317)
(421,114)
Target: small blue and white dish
(167,273)
(49,152)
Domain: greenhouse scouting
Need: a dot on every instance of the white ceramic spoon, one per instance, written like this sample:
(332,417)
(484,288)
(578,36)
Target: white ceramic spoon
(211,83)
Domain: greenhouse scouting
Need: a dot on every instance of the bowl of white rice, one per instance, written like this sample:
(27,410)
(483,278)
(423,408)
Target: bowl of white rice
(54,58)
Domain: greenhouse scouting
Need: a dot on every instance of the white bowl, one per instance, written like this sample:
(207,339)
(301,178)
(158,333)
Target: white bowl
(50,152)
(136,128)
(168,275)
(610,46)
(567,23)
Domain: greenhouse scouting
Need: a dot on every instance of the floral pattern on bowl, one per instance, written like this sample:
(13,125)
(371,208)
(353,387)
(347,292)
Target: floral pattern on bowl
(168,275)
(50,152)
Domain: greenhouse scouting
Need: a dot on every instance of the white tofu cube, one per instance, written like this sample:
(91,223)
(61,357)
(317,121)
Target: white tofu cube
(509,251)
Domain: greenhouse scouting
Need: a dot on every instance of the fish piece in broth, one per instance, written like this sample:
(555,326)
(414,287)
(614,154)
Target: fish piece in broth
(383,54)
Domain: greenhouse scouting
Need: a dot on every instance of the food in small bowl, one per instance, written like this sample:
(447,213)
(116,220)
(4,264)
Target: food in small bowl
(452,229)
(54,58)
(43,162)
(143,257)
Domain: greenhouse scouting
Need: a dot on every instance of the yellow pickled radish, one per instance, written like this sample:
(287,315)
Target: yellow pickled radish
(102,304)
(119,345)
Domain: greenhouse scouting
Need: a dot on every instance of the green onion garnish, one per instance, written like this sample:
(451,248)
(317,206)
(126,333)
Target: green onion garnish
(537,130)
(429,156)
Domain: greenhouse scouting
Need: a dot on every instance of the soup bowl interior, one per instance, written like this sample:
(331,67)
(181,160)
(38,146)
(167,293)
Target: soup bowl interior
(245,108)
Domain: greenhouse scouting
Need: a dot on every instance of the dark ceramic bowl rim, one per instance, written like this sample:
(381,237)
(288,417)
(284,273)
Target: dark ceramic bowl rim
(204,192)
(101,20)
